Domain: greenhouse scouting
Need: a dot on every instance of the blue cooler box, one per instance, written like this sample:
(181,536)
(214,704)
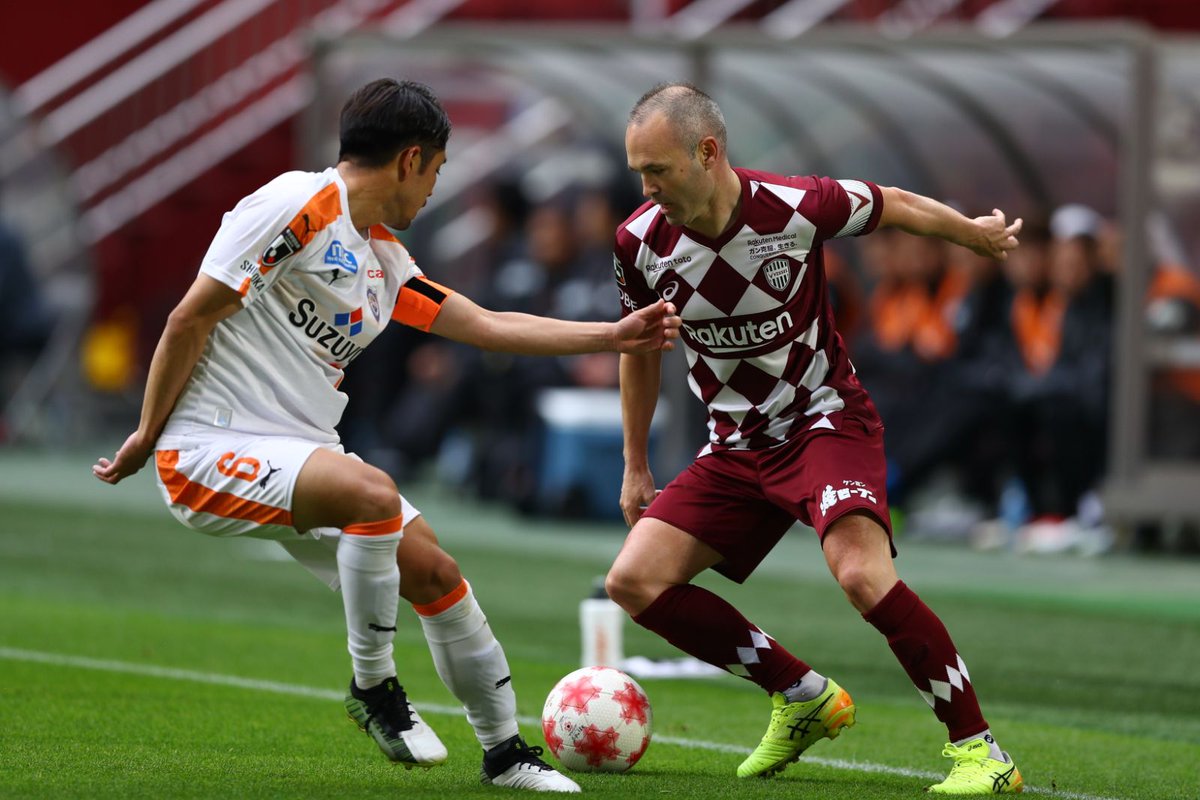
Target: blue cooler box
(582,459)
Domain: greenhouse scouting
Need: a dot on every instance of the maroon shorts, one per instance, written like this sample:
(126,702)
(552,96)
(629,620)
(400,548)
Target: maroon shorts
(742,502)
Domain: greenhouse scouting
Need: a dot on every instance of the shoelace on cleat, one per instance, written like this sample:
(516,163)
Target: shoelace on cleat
(524,754)
(963,758)
(392,711)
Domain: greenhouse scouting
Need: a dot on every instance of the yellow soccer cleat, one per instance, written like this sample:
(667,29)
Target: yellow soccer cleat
(975,772)
(795,727)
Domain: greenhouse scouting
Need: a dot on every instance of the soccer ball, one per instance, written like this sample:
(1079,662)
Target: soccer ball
(597,719)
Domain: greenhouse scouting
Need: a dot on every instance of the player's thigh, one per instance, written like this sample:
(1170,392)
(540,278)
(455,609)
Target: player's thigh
(234,485)
(336,490)
(821,477)
(659,554)
(718,502)
(427,572)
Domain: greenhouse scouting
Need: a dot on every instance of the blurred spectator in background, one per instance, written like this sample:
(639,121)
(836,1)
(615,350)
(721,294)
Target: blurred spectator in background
(27,320)
(1173,310)
(564,269)
(845,294)
(1061,317)
(401,410)
(905,354)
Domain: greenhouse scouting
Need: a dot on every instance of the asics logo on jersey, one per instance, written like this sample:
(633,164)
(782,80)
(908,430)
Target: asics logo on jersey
(324,333)
(739,337)
(338,255)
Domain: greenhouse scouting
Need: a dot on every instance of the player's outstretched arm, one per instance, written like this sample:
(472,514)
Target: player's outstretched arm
(647,330)
(989,235)
(207,302)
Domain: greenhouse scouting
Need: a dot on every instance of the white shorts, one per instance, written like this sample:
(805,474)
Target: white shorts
(243,486)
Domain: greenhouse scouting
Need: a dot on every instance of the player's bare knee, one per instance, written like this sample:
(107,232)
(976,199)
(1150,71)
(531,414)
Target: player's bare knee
(429,577)
(378,498)
(627,590)
(861,584)
(444,574)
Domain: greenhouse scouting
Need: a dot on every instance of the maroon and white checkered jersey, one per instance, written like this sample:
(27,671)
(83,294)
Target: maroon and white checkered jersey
(762,351)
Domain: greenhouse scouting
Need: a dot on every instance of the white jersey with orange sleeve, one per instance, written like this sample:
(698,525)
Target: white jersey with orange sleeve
(315,292)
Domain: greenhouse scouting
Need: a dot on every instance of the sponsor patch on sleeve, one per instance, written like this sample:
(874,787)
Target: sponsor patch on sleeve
(286,244)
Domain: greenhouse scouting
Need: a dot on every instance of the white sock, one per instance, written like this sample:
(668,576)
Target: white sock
(996,753)
(811,684)
(370,583)
(471,663)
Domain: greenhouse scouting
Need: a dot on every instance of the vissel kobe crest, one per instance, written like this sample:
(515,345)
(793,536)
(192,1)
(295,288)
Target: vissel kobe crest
(778,272)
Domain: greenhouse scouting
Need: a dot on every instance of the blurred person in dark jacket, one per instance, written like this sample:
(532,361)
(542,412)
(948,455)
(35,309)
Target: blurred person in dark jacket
(1061,320)
(28,321)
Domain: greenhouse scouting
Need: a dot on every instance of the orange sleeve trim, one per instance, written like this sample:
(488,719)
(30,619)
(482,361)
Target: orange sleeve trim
(317,214)
(245,287)
(440,605)
(197,497)
(419,302)
(381,528)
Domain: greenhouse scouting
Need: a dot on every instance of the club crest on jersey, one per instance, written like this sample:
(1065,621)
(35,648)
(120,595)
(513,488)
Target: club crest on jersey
(778,272)
(351,318)
(618,270)
(339,256)
(373,302)
(285,244)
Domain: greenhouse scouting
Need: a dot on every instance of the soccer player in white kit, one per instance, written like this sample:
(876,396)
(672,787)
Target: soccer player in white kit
(242,401)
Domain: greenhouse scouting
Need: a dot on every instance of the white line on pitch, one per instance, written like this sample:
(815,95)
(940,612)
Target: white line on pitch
(171,673)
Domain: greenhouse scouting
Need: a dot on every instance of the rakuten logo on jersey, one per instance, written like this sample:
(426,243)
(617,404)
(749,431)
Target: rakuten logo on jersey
(739,337)
(323,332)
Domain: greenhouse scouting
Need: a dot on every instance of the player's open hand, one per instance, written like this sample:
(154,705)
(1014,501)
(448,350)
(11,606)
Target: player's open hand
(648,329)
(995,237)
(129,459)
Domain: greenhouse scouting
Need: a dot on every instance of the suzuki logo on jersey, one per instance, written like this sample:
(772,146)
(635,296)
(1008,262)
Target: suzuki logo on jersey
(351,318)
(737,338)
(339,346)
(339,256)
(778,272)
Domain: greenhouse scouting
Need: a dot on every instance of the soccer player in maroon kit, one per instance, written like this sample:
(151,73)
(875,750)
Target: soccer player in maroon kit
(793,434)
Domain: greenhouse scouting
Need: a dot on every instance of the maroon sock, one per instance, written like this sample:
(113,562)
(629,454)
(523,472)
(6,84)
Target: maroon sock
(923,647)
(703,625)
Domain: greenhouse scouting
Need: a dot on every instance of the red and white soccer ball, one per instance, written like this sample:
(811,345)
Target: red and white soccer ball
(597,719)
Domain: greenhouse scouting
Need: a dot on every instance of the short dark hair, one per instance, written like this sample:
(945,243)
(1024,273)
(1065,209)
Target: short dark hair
(386,116)
(691,112)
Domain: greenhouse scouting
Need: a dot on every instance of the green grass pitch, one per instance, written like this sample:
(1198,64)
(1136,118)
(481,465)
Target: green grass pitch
(140,659)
